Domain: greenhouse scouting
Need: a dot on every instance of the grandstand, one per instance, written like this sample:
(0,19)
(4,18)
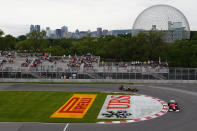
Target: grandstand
(39,66)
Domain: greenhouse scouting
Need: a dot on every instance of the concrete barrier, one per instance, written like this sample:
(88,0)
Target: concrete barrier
(99,80)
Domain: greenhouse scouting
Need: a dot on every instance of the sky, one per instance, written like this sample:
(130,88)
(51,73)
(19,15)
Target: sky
(17,15)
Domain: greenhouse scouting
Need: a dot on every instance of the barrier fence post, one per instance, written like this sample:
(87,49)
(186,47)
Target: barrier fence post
(116,75)
(129,75)
(175,74)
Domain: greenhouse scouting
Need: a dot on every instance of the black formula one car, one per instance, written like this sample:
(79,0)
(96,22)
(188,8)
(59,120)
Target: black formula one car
(173,106)
(127,88)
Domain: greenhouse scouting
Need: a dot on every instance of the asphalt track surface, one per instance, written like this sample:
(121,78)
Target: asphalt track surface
(184,94)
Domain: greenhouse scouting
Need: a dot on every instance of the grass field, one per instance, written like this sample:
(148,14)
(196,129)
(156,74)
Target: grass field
(38,106)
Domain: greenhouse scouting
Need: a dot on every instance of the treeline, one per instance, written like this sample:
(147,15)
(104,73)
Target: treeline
(143,47)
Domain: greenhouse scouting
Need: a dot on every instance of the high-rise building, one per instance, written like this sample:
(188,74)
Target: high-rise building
(154,27)
(48,32)
(83,34)
(89,31)
(64,30)
(32,28)
(52,34)
(94,34)
(99,32)
(58,33)
(37,28)
(69,35)
(77,32)
(105,32)
(47,28)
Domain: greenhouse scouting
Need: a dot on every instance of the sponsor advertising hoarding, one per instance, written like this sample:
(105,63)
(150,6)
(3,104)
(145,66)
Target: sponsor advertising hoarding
(75,107)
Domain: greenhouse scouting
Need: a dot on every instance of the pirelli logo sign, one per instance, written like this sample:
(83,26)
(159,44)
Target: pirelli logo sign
(75,107)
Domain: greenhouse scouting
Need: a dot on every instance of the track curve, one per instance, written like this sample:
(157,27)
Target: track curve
(184,94)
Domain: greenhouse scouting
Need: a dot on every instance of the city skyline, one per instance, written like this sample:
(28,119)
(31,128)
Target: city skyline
(63,32)
(83,15)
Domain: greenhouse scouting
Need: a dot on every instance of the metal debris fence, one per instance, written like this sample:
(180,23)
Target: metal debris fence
(168,74)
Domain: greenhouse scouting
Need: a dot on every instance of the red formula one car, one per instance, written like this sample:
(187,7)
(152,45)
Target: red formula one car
(173,106)
(127,88)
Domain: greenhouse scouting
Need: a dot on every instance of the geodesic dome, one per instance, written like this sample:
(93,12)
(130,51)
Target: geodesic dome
(159,16)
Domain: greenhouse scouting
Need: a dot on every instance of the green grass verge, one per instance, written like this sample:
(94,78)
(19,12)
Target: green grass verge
(65,83)
(38,106)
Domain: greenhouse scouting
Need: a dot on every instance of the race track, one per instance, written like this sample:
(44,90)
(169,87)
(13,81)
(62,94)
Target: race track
(184,94)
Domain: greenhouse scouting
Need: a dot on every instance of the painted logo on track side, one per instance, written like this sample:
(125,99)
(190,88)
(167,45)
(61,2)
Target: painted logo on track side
(129,107)
(116,107)
(75,107)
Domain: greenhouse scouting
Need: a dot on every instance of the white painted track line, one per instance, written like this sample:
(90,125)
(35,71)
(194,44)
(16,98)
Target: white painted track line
(66,127)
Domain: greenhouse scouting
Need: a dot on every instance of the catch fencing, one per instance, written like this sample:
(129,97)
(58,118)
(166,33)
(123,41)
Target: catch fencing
(104,73)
